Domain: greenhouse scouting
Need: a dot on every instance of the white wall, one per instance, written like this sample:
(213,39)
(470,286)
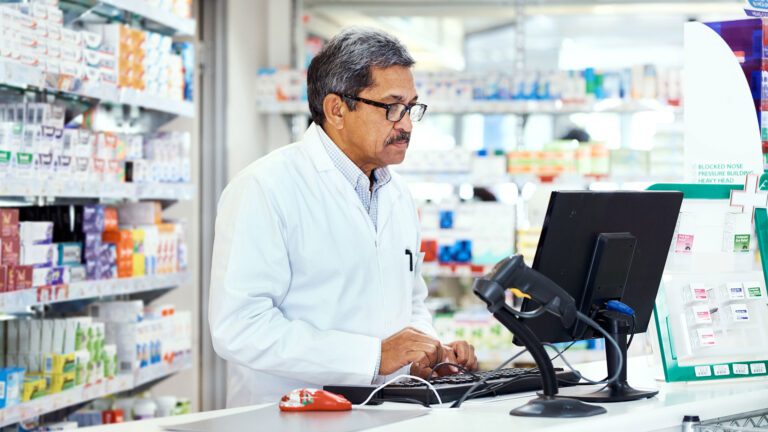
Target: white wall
(258,35)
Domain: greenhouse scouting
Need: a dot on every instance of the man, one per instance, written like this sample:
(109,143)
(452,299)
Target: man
(316,274)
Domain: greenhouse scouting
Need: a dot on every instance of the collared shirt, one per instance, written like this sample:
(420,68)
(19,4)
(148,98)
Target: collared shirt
(357,178)
(370,199)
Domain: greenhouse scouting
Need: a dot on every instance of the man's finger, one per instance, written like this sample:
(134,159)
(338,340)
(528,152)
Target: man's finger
(421,371)
(416,335)
(434,353)
(450,357)
(462,352)
(472,359)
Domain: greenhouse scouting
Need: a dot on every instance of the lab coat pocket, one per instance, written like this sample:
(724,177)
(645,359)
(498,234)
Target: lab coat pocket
(419,261)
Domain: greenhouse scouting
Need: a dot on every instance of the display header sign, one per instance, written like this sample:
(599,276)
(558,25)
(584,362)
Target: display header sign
(756,8)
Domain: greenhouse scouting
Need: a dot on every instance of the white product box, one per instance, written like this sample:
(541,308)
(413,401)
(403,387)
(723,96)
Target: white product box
(70,334)
(71,53)
(41,276)
(12,337)
(58,342)
(53,49)
(55,15)
(119,311)
(35,233)
(37,255)
(140,213)
(55,31)
(92,40)
(73,69)
(92,58)
(29,57)
(36,335)
(52,66)
(71,37)
(25,336)
(46,346)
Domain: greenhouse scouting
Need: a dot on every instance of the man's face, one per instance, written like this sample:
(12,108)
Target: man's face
(376,141)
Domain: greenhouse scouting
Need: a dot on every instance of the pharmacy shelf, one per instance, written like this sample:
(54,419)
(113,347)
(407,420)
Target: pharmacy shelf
(460,178)
(83,394)
(25,77)
(67,398)
(56,188)
(432,269)
(287,107)
(21,301)
(154,18)
(161,370)
(499,107)
(176,24)
(546,107)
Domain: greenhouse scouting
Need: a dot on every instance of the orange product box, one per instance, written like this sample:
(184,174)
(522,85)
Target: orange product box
(110,219)
(125,268)
(123,241)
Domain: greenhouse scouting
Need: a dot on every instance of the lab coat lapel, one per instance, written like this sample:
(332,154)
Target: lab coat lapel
(389,199)
(323,163)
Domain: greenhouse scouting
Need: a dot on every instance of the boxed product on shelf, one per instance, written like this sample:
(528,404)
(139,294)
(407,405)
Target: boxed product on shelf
(10,389)
(641,82)
(280,85)
(467,233)
(562,157)
(151,341)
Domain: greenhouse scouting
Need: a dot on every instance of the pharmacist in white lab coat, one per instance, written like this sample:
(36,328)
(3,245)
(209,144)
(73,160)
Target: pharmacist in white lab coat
(316,266)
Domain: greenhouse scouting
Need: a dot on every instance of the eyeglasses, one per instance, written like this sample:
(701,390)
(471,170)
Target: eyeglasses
(395,111)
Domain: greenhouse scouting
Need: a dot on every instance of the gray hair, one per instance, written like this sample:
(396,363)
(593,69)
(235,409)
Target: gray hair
(344,65)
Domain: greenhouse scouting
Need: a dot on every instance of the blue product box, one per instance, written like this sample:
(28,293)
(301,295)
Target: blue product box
(92,269)
(93,219)
(69,254)
(11,379)
(60,275)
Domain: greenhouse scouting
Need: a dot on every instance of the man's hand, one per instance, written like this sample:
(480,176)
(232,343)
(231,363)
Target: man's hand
(461,353)
(410,346)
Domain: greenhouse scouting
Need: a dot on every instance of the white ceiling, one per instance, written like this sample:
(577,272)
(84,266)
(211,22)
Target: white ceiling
(435,30)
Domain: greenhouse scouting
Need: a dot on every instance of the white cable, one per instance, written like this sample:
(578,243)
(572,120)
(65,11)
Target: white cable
(431,387)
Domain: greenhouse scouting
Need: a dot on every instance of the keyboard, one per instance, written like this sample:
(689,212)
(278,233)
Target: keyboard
(452,387)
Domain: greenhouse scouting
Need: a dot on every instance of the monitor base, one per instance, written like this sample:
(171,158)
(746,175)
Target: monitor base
(553,407)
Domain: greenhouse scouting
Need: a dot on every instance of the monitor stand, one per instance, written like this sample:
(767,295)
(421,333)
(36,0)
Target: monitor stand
(618,326)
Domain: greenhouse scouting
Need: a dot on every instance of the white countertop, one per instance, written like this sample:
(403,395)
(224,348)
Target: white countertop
(663,412)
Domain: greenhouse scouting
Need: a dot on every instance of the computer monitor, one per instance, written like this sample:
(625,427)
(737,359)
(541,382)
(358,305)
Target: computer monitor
(601,246)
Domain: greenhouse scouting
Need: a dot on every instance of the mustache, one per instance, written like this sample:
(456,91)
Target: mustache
(402,136)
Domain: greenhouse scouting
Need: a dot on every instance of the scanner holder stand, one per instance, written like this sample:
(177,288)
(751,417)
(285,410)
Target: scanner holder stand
(547,404)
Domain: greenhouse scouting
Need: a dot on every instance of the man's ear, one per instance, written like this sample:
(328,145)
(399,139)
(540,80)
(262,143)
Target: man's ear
(334,109)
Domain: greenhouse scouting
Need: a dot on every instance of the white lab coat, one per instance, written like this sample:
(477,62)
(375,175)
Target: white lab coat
(303,287)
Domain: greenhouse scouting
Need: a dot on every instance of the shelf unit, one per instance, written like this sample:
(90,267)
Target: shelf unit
(44,189)
(83,394)
(162,19)
(22,301)
(37,188)
(458,179)
(29,78)
(498,107)
(154,18)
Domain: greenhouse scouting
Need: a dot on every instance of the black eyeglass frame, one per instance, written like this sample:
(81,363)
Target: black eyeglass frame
(388,107)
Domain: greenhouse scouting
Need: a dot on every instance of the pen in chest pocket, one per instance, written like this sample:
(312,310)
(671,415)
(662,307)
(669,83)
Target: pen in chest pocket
(410,259)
